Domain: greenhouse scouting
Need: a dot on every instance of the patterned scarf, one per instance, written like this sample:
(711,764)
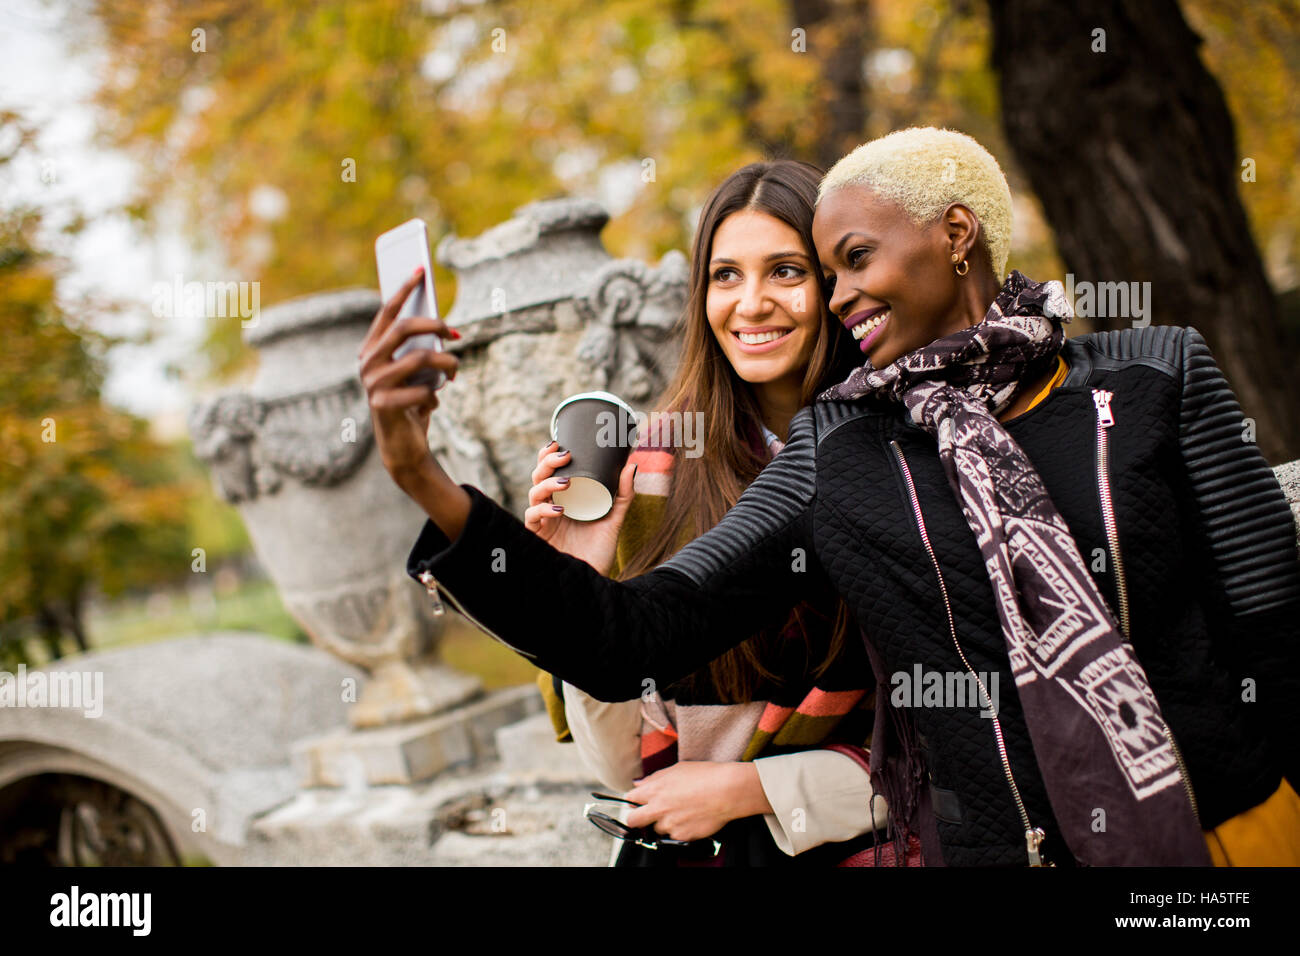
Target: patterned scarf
(1096,728)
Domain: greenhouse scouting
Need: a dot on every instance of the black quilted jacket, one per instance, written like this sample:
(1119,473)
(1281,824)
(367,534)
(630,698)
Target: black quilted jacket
(1206,546)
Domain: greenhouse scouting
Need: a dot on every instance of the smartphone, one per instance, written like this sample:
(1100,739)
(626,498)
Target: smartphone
(398,253)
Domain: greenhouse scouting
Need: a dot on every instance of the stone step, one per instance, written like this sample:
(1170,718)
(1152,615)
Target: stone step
(414,751)
(530,745)
(470,818)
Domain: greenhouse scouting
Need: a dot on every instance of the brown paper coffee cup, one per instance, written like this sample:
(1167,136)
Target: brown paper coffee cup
(599,429)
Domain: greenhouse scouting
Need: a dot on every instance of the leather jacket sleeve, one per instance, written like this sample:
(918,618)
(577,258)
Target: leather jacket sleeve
(1250,536)
(615,639)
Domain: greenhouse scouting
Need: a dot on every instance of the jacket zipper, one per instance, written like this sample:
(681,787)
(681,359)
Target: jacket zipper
(1033,835)
(1105,419)
(432,585)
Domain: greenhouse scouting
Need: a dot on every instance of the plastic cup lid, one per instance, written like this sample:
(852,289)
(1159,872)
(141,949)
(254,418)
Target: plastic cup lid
(607,396)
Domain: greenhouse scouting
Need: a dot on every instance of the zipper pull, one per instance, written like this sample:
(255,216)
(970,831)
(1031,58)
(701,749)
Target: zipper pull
(1033,838)
(1101,398)
(431,585)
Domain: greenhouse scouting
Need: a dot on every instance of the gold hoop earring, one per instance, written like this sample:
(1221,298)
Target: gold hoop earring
(962,268)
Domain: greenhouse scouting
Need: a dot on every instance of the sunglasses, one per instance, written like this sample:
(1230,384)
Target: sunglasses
(645,836)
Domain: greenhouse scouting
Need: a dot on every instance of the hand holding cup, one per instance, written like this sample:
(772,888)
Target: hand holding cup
(592,541)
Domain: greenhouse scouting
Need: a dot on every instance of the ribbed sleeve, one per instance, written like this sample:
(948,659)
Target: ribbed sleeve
(610,638)
(1246,517)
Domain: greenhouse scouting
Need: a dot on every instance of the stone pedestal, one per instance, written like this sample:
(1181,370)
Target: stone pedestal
(544,311)
(413,751)
(523,807)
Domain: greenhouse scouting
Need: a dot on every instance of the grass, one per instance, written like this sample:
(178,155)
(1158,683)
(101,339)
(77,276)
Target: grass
(256,606)
(468,649)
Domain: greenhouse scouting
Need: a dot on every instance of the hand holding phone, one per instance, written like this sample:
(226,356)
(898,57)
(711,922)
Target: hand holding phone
(399,412)
(398,253)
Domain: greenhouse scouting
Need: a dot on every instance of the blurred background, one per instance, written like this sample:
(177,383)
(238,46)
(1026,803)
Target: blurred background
(270,141)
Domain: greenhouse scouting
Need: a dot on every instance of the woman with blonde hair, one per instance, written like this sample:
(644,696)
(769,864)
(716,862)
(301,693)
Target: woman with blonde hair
(1073,527)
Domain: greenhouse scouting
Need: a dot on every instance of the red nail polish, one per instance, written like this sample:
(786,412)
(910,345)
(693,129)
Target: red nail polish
(454,334)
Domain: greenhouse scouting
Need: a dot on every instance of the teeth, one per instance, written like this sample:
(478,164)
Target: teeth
(758,338)
(863,329)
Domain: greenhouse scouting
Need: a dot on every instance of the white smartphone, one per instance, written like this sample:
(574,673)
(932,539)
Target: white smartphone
(398,253)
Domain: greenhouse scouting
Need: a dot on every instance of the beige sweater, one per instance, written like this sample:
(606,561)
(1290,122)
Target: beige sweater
(817,796)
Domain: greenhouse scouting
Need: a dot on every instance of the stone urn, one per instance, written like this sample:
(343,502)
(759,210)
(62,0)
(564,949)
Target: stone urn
(293,452)
(544,312)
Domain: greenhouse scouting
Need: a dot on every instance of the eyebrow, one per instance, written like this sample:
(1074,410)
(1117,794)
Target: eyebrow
(843,239)
(789,254)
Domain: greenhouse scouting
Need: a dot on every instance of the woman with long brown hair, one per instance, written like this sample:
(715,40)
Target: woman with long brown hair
(735,751)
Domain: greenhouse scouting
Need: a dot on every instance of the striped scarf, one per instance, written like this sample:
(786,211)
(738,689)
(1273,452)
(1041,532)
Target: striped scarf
(785,723)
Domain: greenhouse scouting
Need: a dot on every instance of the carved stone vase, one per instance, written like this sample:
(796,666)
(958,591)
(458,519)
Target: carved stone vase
(294,453)
(544,312)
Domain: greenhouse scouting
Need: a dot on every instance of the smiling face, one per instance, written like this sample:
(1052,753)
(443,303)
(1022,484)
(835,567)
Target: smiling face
(764,297)
(895,288)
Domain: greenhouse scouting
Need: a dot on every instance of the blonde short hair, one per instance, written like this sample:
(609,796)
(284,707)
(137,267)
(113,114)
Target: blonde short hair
(924,169)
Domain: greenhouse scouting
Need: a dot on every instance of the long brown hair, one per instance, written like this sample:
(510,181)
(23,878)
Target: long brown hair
(704,487)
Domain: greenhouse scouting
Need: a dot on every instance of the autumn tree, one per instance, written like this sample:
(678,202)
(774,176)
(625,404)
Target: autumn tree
(1128,142)
(87,499)
(293,134)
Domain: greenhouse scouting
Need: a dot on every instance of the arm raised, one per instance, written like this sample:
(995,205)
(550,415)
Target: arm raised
(615,639)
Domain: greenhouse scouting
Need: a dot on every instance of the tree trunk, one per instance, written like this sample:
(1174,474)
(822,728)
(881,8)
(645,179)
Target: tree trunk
(1132,153)
(843,114)
(50,631)
(75,623)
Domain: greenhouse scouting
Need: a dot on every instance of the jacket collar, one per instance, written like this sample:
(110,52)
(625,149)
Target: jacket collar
(1079,358)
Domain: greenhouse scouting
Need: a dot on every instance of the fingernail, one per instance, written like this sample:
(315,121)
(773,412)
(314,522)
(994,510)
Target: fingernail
(562,481)
(454,333)
(561,451)
(548,444)
(556,508)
